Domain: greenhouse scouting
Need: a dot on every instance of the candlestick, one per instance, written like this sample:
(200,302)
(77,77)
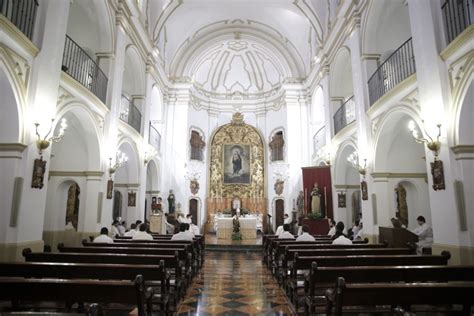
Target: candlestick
(325,203)
(305,200)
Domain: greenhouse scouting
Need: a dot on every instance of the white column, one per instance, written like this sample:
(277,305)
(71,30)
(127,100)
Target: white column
(114,93)
(364,136)
(42,98)
(92,188)
(433,91)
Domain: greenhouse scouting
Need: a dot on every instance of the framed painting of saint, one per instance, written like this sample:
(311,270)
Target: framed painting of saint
(236,162)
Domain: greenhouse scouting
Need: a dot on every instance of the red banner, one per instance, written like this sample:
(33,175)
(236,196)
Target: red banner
(321,176)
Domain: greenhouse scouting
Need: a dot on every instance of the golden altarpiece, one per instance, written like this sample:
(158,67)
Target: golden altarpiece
(245,180)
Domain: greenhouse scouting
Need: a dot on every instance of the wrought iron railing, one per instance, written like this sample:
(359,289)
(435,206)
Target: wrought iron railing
(344,115)
(154,138)
(79,65)
(22,13)
(319,139)
(457,17)
(396,68)
(130,114)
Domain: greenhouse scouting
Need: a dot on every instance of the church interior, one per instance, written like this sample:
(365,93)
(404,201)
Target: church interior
(276,157)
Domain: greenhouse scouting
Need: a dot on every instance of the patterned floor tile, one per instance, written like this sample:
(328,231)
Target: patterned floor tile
(234,284)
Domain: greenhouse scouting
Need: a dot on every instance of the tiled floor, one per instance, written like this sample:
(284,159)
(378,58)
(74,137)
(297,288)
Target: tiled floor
(233,283)
(211,239)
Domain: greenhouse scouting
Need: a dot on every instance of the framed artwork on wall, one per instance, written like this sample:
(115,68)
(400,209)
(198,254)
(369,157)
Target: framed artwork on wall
(341,199)
(363,189)
(39,169)
(110,189)
(437,172)
(236,163)
(132,198)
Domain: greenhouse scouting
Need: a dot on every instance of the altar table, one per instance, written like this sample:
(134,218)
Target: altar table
(248,227)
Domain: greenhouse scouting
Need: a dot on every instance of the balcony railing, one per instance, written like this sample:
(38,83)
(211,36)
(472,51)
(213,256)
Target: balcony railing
(344,115)
(22,13)
(396,68)
(319,139)
(130,114)
(154,138)
(79,65)
(457,17)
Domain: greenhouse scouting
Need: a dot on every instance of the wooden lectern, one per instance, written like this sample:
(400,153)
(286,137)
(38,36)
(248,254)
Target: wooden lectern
(396,237)
(156,223)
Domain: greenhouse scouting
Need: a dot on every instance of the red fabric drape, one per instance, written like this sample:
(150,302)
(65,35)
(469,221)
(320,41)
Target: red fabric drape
(322,176)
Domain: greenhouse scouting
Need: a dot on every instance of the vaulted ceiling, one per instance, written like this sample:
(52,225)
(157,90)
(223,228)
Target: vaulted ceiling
(246,46)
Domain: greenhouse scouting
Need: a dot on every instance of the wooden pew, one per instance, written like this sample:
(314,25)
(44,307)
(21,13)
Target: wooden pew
(197,254)
(301,265)
(183,250)
(134,292)
(172,263)
(320,279)
(155,276)
(289,255)
(399,294)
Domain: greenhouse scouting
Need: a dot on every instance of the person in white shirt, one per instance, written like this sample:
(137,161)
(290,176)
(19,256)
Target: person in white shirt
(287,220)
(332,227)
(142,234)
(339,238)
(424,233)
(103,238)
(355,228)
(305,236)
(286,233)
(183,234)
(132,231)
(121,228)
(358,236)
(181,219)
(115,231)
(193,228)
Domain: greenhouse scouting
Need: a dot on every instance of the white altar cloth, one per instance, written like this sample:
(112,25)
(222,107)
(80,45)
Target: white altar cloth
(225,226)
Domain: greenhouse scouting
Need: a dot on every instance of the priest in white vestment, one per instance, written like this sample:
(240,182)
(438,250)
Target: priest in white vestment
(287,220)
(286,233)
(424,233)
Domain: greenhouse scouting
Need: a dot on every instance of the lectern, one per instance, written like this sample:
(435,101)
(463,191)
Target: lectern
(396,237)
(156,223)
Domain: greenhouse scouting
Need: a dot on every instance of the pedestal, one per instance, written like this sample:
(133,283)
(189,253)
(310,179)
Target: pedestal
(156,223)
(318,226)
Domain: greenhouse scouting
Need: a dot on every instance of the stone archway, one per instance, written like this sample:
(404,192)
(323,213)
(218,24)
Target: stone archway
(247,181)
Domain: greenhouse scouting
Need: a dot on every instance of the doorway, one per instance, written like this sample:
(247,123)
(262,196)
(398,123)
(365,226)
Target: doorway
(193,210)
(279,212)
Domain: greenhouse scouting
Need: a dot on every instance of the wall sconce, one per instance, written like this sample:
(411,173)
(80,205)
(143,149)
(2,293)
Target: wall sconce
(44,143)
(120,160)
(150,153)
(433,145)
(353,159)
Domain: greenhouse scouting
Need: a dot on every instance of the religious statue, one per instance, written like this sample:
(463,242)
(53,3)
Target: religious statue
(156,204)
(171,201)
(300,203)
(237,163)
(279,186)
(194,187)
(316,200)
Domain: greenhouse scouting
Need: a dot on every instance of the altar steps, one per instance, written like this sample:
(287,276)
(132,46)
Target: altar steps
(234,248)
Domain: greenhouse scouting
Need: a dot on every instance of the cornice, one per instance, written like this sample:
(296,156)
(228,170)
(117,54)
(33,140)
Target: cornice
(12,147)
(346,186)
(391,175)
(127,185)
(463,149)
(56,173)
(465,38)
(20,38)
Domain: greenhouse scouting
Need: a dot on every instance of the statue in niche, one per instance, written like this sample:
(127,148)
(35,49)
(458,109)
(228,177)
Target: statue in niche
(402,206)
(197,145)
(316,200)
(276,146)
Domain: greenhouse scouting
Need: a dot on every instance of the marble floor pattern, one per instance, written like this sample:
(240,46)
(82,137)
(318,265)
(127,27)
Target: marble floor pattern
(234,283)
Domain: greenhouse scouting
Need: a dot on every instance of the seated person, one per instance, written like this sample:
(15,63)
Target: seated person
(103,237)
(181,218)
(305,236)
(115,230)
(424,233)
(132,231)
(170,229)
(121,228)
(339,238)
(332,227)
(182,235)
(286,233)
(355,228)
(358,236)
(287,220)
(142,234)
(194,228)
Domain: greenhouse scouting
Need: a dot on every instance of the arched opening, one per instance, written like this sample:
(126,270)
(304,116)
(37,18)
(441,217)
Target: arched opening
(9,134)
(400,160)
(133,89)
(279,212)
(194,210)
(465,163)
(348,181)
(151,186)
(72,158)
(127,179)
(342,90)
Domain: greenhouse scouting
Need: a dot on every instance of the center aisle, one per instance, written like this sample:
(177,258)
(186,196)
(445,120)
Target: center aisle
(234,283)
